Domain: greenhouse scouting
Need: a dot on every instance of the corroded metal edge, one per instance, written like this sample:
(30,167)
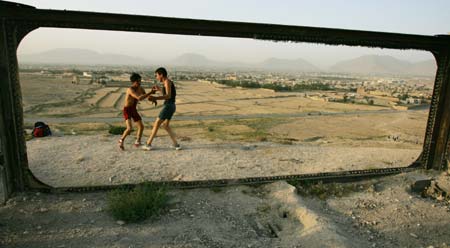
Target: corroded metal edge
(21,20)
(310,177)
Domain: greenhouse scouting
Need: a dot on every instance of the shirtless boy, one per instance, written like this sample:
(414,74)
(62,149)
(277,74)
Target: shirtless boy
(134,94)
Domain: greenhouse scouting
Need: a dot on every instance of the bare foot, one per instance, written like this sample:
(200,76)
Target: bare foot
(121,145)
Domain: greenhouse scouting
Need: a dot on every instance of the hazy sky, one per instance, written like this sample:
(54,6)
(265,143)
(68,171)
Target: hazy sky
(400,16)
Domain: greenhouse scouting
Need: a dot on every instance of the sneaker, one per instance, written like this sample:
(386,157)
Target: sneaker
(147,147)
(120,143)
(137,144)
(177,147)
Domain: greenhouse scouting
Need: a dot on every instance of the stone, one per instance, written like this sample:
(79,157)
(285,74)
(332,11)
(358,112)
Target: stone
(413,235)
(43,210)
(420,185)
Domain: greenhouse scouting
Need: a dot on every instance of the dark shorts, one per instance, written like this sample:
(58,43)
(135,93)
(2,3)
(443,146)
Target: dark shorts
(131,112)
(167,111)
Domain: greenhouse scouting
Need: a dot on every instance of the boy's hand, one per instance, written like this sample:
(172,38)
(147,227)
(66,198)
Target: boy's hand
(142,97)
(156,88)
(152,99)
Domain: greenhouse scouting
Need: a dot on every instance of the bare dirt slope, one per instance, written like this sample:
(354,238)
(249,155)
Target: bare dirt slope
(380,213)
(96,160)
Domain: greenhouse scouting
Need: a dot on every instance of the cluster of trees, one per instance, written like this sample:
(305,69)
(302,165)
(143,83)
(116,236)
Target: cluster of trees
(276,87)
(403,96)
(347,99)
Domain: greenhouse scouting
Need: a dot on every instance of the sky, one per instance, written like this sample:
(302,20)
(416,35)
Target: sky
(399,16)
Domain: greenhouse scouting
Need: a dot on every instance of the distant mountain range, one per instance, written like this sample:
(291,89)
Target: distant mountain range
(375,64)
(368,64)
(288,64)
(80,57)
(273,64)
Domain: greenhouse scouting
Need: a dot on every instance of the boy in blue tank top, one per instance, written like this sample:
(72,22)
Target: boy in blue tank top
(169,94)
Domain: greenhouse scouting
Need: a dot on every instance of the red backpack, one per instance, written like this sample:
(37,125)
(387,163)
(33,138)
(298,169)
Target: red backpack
(41,129)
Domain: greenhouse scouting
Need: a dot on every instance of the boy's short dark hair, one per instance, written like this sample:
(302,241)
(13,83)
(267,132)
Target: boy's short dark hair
(135,77)
(162,71)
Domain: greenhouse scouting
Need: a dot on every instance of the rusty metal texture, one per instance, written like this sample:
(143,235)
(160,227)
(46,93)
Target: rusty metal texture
(18,20)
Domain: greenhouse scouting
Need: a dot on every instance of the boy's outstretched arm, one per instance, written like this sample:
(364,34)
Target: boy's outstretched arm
(137,96)
(156,88)
(166,96)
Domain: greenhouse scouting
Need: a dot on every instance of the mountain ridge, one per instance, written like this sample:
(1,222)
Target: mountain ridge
(366,64)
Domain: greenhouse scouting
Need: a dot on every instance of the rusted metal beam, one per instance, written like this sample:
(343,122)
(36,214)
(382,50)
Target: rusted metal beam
(18,20)
(9,128)
(438,139)
(183,26)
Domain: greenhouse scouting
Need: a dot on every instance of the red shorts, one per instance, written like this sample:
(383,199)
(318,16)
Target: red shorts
(131,112)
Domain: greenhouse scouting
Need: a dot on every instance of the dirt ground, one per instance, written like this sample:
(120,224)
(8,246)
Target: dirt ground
(96,160)
(381,212)
(220,149)
(55,96)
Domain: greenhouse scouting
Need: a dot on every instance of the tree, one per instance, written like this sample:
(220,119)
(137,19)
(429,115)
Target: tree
(345,98)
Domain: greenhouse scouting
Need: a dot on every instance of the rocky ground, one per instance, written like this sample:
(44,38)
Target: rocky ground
(381,212)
